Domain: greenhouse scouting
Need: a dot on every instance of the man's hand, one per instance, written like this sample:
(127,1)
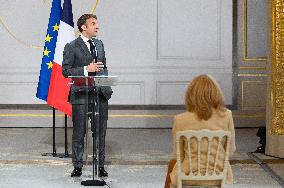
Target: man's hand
(95,67)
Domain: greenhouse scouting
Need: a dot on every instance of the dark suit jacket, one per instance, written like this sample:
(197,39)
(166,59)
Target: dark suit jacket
(76,55)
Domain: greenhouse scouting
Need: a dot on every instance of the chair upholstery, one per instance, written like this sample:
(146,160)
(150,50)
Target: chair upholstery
(209,143)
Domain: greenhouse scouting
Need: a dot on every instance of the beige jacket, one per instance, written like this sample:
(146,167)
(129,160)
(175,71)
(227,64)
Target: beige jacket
(190,121)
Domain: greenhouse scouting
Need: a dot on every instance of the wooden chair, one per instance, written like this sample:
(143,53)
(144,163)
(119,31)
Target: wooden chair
(215,141)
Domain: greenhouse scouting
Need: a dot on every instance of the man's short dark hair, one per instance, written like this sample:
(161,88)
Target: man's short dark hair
(82,20)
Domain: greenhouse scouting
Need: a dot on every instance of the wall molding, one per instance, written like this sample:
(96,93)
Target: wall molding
(198,58)
(170,83)
(141,85)
(245,37)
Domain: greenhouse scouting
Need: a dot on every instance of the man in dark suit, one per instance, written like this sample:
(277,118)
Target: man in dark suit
(85,56)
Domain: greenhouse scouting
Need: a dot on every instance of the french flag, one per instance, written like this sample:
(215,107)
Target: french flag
(58,89)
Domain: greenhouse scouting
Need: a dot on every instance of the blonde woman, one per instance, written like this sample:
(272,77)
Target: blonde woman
(205,110)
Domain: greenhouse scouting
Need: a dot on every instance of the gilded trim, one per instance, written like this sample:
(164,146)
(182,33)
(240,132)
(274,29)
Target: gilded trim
(277,69)
(111,115)
(13,35)
(252,68)
(258,115)
(92,12)
(28,44)
(245,55)
(249,116)
(252,75)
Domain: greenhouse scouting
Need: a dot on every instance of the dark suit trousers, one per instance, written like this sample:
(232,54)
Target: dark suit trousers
(79,131)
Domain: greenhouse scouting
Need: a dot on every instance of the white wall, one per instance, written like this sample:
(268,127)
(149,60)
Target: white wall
(155,47)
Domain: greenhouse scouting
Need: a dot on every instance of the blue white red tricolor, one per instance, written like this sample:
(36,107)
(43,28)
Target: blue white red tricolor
(52,86)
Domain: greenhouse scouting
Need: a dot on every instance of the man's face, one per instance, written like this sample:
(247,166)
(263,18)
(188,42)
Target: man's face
(91,28)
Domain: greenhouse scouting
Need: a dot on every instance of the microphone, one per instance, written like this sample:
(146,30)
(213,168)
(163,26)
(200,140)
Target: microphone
(96,58)
(96,54)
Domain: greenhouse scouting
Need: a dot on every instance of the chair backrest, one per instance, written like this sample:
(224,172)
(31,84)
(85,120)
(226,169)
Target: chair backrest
(218,141)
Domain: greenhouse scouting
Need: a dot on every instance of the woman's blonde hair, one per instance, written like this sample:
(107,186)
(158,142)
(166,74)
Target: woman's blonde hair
(203,95)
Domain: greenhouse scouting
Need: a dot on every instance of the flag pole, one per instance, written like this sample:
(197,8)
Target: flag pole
(66,154)
(54,154)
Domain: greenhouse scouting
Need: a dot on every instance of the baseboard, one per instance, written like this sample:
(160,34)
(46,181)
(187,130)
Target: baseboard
(111,107)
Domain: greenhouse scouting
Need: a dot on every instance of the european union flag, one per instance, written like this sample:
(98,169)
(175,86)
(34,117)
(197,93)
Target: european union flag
(49,50)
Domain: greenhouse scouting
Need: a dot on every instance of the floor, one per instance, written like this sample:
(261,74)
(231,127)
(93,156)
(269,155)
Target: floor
(136,157)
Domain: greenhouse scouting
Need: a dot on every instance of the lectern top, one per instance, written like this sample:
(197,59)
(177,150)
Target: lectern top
(93,80)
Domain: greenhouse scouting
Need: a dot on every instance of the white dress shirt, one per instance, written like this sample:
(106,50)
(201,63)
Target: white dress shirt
(85,39)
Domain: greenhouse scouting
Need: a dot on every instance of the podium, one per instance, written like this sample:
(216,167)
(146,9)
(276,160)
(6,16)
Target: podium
(90,87)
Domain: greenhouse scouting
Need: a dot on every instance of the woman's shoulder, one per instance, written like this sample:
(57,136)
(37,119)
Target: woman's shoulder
(224,111)
(192,117)
(184,115)
(228,112)
(183,121)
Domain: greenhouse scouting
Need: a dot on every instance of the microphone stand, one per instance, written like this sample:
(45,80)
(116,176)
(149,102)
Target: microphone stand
(96,135)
